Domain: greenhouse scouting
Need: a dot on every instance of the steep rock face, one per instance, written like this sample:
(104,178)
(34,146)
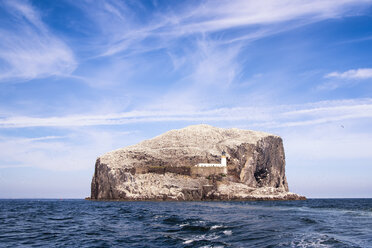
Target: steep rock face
(255,160)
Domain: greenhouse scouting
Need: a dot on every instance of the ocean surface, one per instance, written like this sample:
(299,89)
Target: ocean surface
(80,223)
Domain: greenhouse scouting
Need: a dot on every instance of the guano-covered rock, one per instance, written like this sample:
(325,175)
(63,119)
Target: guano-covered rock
(163,168)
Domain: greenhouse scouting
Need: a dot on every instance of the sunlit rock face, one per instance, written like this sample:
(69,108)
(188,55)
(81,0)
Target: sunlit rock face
(162,168)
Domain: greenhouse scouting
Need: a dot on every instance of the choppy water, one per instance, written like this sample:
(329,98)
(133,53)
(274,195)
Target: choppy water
(80,223)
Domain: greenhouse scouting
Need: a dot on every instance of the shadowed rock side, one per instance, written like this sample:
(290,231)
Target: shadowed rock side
(162,168)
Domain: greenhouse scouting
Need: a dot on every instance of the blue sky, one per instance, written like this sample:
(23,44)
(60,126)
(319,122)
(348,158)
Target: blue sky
(80,78)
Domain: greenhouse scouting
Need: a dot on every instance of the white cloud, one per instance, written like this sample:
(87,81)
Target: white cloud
(267,117)
(205,61)
(28,49)
(119,30)
(362,73)
(212,16)
(76,151)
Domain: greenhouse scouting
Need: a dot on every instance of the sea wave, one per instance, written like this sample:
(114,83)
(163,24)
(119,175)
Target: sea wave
(79,223)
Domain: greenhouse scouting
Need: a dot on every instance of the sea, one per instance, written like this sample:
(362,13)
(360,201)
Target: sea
(82,223)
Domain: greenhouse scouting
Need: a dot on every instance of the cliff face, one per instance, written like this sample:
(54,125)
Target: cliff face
(161,168)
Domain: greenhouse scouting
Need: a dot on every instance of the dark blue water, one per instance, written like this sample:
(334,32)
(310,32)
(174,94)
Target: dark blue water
(80,223)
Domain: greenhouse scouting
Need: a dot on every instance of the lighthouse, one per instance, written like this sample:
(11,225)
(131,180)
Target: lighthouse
(223,159)
(205,170)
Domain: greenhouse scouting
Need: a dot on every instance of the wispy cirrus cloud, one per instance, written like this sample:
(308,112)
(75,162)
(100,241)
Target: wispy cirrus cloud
(128,33)
(264,117)
(28,49)
(214,16)
(362,73)
(195,36)
(75,151)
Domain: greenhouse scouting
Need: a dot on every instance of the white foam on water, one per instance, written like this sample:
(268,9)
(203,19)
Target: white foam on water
(201,237)
(312,240)
(182,225)
(212,237)
(188,241)
(227,232)
(158,216)
(216,227)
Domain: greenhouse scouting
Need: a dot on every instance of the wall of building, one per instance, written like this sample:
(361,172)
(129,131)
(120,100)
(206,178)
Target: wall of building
(183,170)
(209,165)
(207,171)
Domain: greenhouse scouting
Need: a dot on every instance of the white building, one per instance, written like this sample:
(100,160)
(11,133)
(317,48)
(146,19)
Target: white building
(222,164)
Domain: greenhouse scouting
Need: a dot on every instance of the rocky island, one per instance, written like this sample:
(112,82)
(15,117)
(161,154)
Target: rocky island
(186,165)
